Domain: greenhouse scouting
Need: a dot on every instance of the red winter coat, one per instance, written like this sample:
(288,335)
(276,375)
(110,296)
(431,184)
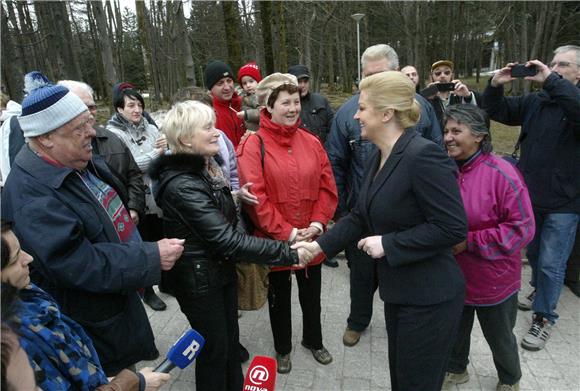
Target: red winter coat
(295,186)
(227,120)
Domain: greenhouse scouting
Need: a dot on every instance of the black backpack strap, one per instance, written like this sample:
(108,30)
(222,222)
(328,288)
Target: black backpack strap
(15,139)
(262,149)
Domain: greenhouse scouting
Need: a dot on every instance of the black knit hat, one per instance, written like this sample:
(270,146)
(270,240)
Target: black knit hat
(300,71)
(215,71)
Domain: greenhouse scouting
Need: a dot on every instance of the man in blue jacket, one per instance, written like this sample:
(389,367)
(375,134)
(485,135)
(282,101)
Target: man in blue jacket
(550,163)
(69,214)
(348,154)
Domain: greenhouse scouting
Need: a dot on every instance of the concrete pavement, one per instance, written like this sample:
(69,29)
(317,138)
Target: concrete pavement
(365,366)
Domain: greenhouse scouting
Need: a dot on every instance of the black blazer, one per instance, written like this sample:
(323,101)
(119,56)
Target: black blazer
(415,204)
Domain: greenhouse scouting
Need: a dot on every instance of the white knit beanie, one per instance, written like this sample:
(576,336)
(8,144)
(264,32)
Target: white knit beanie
(48,108)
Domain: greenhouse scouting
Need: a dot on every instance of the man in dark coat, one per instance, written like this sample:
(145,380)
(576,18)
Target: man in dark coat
(69,214)
(315,113)
(442,71)
(550,163)
(349,155)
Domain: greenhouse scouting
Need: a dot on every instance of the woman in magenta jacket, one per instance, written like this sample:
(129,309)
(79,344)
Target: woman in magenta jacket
(501,224)
(292,178)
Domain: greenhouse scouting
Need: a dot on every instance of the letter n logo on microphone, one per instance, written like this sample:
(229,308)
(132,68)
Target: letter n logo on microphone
(259,375)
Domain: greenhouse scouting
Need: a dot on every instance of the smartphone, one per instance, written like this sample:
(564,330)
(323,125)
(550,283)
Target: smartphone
(429,91)
(520,70)
(441,87)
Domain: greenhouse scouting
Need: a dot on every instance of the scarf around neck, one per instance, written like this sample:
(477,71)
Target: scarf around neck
(61,353)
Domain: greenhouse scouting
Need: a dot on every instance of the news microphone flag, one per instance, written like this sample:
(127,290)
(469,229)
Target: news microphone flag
(261,375)
(183,352)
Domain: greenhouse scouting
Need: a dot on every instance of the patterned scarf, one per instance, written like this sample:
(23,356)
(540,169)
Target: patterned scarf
(61,353)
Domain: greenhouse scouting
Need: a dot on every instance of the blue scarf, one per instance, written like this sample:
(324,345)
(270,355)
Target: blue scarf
(61,353)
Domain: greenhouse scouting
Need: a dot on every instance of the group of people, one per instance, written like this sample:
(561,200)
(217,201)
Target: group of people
(423,209)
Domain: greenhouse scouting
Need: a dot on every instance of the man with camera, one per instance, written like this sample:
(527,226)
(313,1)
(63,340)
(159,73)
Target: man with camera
(444,90)
(550,163)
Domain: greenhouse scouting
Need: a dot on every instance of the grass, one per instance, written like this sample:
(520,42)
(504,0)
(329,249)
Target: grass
(504,137)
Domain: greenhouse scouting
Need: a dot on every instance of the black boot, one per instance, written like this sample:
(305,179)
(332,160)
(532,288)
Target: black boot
(244,354)
(152,300)
(330,262)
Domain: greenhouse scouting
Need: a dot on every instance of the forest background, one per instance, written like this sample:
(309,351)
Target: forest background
(161,46)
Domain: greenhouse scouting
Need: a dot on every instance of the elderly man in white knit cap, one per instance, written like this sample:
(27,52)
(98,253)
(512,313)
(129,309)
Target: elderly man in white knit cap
(67,213)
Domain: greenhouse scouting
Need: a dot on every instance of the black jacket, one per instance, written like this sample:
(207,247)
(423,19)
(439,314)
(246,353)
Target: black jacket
(205,216)
(415,205)
(439,107)
(120,160)
(550,140)
(316,115)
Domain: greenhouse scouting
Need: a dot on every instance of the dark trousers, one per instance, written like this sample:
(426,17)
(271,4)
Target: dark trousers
(151,230)
(215,317)
(573,268)
(279,303)
(497,323)
(363,285)
(420,341)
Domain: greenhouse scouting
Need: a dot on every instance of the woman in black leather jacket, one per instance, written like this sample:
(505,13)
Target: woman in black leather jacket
(197,205)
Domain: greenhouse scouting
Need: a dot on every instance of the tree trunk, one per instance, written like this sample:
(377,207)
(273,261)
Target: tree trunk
(232,27)
(101,85)
(557,11)
(12,75)
(282,52)
(107,51)
(145,38)
(266,19)
(183,40)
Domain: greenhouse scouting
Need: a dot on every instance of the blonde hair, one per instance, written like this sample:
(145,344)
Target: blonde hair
(393,90)
(183,120)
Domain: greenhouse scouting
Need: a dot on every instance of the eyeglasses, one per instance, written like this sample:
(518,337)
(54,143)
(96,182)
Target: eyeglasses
(438,73)
(561,64)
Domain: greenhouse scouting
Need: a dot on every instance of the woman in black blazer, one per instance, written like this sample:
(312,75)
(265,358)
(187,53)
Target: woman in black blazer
(408,217)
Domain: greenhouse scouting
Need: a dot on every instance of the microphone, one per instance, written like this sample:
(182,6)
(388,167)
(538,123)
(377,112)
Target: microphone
(183,352)
(261,375)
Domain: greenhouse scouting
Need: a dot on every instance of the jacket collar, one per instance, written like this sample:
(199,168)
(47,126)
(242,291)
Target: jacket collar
(473,161)
(183,162)
(392,162)
(281,134)
(49,174)
(38,168)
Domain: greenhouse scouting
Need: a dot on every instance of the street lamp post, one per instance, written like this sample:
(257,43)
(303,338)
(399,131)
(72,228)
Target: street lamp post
(357,18)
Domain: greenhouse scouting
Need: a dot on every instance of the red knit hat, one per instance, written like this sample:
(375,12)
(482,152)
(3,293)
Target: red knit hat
(250,69)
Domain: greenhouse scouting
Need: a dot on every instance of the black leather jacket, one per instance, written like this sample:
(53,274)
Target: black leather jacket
(121,162)
(205,215)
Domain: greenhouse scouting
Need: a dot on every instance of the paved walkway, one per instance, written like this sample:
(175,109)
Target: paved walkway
(365,366)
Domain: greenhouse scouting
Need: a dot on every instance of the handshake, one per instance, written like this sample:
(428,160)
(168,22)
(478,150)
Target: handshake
(307,251)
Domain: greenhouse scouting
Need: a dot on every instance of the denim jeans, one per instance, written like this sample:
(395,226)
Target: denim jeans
(548,254)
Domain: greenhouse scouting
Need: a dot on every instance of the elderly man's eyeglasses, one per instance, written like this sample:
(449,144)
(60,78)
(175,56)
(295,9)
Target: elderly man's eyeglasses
(438,73)
(561,64)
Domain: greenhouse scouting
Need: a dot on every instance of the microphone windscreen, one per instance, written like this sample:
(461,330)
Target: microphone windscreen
(261,375)
(186,349)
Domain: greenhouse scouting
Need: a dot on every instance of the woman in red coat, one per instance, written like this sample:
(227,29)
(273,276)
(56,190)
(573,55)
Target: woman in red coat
(292,178)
